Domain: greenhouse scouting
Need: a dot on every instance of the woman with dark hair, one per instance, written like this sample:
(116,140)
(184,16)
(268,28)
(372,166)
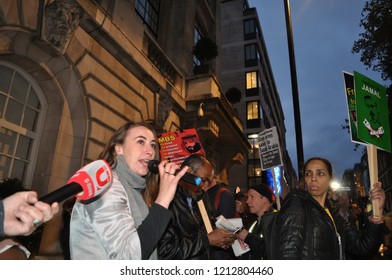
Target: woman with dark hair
(118,224)
(307,228)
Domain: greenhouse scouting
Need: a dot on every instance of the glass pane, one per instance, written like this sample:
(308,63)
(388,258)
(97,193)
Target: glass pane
(23,147)
(14,112)
(2,104)
(33,100)
(5,163)
(19,88)
(252,111)
(254,153)
(7,141)
(251,80)
(5,74)
(30,119)
(254,168)
(18,170)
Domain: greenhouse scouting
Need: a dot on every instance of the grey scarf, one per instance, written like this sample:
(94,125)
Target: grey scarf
(133,185)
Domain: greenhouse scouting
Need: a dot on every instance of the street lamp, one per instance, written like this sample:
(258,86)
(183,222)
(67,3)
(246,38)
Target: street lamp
(335,185)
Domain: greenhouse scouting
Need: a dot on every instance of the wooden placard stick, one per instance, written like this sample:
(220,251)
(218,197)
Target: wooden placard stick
(204,215)
(373,174)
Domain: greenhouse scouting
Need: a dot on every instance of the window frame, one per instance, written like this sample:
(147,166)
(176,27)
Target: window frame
(34,136)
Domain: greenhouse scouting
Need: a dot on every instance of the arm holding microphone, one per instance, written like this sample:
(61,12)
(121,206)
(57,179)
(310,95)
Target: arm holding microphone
(116,234)
(22,212)
(159,216)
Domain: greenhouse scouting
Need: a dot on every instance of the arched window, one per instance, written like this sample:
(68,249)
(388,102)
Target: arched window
(22,109)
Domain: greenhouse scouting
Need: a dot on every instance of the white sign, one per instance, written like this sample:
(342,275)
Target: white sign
(269,148)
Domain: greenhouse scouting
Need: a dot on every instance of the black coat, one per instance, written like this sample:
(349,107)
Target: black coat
(185,237)
(305,231)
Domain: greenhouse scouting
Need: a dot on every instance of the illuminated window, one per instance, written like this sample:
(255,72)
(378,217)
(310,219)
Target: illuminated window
(21,114)
(254,151)
(252,110)
(251,80)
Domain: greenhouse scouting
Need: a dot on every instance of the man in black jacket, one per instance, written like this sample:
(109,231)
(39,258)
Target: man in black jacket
(187,236)
(259,201)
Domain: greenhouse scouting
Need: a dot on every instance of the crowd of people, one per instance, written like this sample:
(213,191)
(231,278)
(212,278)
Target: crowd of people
(151,216)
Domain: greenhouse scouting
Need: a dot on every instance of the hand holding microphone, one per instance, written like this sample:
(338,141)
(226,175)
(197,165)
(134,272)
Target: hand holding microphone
(169,174)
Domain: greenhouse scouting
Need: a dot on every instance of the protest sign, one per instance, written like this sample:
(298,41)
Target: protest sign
(351,106)
(373,123)
(270,154)
(178,145)
(372,112)
(269,148)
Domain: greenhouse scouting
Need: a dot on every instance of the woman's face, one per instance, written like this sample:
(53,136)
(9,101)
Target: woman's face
(138,149)
(317,178)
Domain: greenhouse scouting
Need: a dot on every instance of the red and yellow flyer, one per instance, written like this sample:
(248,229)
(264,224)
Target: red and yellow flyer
(178,145)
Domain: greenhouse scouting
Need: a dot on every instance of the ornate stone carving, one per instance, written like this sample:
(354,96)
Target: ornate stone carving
(165,106)
(61,20)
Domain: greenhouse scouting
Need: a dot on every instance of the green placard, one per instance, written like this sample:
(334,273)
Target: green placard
(372,112)
(351,106)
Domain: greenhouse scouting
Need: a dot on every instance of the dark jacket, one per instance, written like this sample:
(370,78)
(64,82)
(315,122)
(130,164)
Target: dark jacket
(225,207)
(255,241)
(304,230)
(185,237)
(226,204)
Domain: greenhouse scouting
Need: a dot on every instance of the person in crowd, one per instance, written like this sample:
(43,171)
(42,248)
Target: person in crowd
(242,209)
(186,236)
(221,202)
(21,214)
(118,223)
(260,199)
(306,228)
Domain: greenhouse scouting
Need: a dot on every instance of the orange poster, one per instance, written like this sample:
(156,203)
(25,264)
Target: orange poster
(178,145)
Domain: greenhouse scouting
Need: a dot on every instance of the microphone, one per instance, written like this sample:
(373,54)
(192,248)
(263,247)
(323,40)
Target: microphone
(86,183)
(187,177)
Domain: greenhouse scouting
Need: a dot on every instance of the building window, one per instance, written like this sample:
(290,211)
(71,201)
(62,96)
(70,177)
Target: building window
(254,151)
(253,114)
(250,30)
(252,87)
(252,109)
(148,10)
(196,37)
(251,55)
(21,117)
